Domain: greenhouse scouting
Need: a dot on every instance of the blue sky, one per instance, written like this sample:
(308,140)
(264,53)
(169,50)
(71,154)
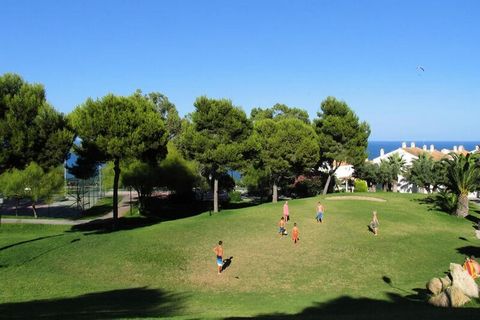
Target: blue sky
(258,53)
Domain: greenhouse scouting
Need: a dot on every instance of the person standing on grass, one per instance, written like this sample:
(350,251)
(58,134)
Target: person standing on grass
(320,211)
(286,214)
(374,223)
(281,226)
(219,252)
(295,233)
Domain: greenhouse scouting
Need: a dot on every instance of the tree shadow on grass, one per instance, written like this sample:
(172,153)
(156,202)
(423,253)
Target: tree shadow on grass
(125,303)
(102,226)
(397,307)
(469,251)
(28,241)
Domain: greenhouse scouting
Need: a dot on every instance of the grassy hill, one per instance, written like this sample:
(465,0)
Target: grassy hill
(338,270)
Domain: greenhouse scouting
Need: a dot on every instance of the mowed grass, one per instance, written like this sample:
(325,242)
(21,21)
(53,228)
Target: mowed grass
(338,269)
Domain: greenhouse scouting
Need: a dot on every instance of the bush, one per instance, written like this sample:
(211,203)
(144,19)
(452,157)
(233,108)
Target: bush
(361,185)
(235,196)
(306,187)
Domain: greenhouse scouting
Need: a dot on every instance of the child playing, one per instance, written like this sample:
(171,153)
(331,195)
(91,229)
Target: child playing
(320,210)
(295,233)
(219,253)
(286,215)
(374,223)
(281,226)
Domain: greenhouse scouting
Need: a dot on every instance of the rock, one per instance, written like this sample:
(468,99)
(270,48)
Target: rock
(456,296)
(439,300)
(477,234)
(462,280)
(435,286)
(446,282)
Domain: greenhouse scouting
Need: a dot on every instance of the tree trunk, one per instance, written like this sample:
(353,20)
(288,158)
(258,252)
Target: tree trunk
(116,170)
(462,206)
(395,185)
(385,187)
(215,195)
(34,210)
(275,193)
(327,184)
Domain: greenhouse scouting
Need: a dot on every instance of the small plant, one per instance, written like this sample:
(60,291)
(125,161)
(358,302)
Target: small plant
(235,196)
(361,185)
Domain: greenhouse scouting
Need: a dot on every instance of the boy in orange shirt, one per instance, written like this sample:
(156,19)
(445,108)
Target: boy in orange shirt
(295,233)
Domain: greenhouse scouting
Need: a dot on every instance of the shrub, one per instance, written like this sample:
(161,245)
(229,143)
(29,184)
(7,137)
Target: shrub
(361,185)
(235,196)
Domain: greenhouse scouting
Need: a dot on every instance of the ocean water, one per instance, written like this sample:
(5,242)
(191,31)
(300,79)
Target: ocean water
(375,146)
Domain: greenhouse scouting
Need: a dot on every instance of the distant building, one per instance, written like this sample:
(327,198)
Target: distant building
(411,153)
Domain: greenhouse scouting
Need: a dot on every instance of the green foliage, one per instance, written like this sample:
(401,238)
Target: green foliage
(396,163)
(279,112)
(30,129)
(121,129)
(167,111)
(446,201)
(32,183)
(305,186)
(235,196)
(463,176)
(463,173)
(422,172)
(285,148)
(108,176)
(87,163)
(215,135)
(367,171)
(341,136)
(177,173)
(385,174)
(360,185)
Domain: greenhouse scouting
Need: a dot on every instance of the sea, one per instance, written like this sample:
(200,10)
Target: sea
(375,146)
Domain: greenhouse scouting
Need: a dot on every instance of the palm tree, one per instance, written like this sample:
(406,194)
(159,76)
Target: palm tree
(397,165)
(422,172)
(463,175)
(384,174)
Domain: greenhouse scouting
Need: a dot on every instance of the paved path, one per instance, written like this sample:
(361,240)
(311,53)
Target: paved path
(123,208)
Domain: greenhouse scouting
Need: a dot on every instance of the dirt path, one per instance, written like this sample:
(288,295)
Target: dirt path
(356,198)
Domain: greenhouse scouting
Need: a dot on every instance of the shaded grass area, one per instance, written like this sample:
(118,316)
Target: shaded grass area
(114,304)
(337,271)
(101,208)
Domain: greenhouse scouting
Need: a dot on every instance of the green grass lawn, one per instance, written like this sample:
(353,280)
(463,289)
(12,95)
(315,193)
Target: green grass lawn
(339,270)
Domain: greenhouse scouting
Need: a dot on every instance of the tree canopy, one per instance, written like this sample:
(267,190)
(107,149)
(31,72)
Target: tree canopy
(121,128)
(286,147)
(341,136)
(30,129)
(278,112)
(215,137)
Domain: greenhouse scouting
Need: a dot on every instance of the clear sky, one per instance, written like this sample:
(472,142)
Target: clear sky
(258,53)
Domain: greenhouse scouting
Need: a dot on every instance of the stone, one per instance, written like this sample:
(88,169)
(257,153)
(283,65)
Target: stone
(439,300)
(446,282)
(456,296)
(434,286)
(462,280)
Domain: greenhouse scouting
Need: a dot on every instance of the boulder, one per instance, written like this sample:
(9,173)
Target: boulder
(462,280)
(439,300)
(446,282)
(435,285)
(456,296)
